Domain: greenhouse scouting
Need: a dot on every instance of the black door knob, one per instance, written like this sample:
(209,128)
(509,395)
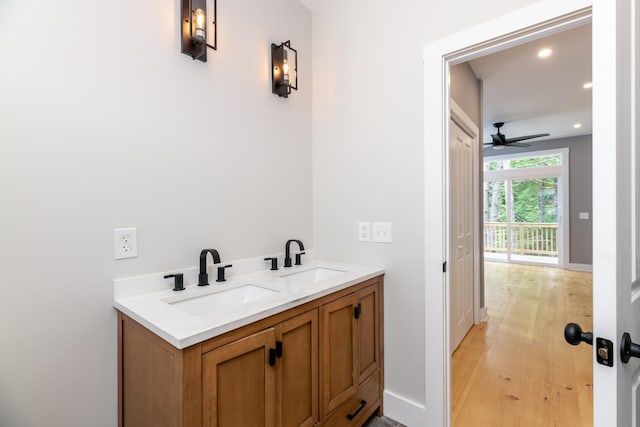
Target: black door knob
(628,348)
(574,334)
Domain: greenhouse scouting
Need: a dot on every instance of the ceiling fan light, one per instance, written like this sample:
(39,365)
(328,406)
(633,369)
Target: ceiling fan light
(587,85)
(577,126)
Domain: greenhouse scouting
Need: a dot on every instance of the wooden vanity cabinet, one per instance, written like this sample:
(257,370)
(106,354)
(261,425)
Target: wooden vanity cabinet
(239,383)
(297,372)
(351,343)
(263,374)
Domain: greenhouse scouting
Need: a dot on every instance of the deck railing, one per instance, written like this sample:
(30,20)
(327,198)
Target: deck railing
(527,238)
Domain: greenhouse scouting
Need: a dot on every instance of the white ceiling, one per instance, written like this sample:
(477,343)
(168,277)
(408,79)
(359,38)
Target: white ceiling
(538,95)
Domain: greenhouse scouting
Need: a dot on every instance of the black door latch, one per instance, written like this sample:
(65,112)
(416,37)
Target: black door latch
(574,335)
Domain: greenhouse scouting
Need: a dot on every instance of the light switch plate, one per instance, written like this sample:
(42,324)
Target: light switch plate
(125,242)
(364,231)
(381,232)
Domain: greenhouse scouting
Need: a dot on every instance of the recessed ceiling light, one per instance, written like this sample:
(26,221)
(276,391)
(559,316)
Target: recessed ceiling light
(577,126)
(587,85)
(543,53)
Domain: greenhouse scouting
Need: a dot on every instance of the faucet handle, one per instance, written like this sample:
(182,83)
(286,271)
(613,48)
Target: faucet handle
(298,256)
(221,273)
(274,262)
(178,281)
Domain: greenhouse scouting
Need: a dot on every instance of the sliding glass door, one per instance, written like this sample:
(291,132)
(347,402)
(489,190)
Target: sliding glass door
(523,209)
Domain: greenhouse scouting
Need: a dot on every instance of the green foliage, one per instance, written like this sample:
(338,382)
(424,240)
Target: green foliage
(534,200)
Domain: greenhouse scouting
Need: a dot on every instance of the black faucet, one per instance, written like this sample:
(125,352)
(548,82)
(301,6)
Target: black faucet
(221,272)
(287,255)
(203,277)
(178,281)
(274,262)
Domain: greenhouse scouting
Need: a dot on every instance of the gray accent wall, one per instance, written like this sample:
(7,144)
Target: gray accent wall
(466,91)
(580,190)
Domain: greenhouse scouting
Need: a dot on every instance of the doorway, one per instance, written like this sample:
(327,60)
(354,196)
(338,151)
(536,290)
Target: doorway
(517,241)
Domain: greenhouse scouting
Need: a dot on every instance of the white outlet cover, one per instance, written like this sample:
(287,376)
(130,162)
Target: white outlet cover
(364,231)
(583,215)
(125,243)
(381,232)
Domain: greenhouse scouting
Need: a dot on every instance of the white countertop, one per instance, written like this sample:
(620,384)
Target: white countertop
(151,301)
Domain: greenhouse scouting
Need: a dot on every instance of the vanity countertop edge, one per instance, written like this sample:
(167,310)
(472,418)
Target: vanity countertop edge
(183,329)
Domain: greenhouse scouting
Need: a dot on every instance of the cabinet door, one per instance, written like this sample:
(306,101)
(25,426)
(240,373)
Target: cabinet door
(239,383)
(339,352)
(297,371)
(368,332)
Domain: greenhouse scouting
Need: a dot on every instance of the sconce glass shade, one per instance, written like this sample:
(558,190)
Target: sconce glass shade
(284,69)
(199,22)
(199,27)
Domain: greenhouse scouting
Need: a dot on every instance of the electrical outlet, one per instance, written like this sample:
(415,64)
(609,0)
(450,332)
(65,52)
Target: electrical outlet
(381,232)
(125,242)
(364,231)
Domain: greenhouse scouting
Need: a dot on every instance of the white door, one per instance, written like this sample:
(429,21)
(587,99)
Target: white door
(462,211)
(616,207)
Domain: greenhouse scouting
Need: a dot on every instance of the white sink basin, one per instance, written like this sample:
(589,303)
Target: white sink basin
(222,301)
(315,274)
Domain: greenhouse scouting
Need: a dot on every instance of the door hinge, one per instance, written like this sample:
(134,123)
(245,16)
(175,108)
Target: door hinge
(444,267)
(357,311)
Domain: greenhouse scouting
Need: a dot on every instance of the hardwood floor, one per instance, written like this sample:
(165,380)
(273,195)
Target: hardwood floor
(516,369)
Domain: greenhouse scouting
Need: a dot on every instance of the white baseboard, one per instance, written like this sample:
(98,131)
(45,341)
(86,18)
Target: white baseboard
(580,267)
(483,314)
(403,410)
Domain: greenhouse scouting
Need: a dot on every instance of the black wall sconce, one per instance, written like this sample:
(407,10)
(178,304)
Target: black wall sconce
(284,61)
(197,26)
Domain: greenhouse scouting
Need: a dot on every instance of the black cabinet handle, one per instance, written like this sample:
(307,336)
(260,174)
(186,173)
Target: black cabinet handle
(363,403)
(357,311)
(278,349)
(272,357)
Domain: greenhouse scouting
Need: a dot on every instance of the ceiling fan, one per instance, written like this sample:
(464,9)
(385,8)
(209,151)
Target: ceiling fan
(499,140)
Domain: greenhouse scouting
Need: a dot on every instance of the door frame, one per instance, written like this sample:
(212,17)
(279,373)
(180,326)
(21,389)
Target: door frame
(530,23)
(466,124)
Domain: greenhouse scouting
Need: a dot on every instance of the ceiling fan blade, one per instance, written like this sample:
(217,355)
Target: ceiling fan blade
(523,138)
(517,144)
(488,143)
(498,138)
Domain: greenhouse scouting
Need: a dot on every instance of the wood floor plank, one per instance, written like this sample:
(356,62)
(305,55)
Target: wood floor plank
(516,369)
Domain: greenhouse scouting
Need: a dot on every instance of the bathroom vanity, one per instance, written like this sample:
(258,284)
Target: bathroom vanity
(309,354)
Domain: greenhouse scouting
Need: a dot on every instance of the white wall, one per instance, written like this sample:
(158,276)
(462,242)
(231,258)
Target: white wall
(368,148)
(103,124)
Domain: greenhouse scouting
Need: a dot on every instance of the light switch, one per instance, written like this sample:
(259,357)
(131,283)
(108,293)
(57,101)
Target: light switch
(381,232)
(583,215)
